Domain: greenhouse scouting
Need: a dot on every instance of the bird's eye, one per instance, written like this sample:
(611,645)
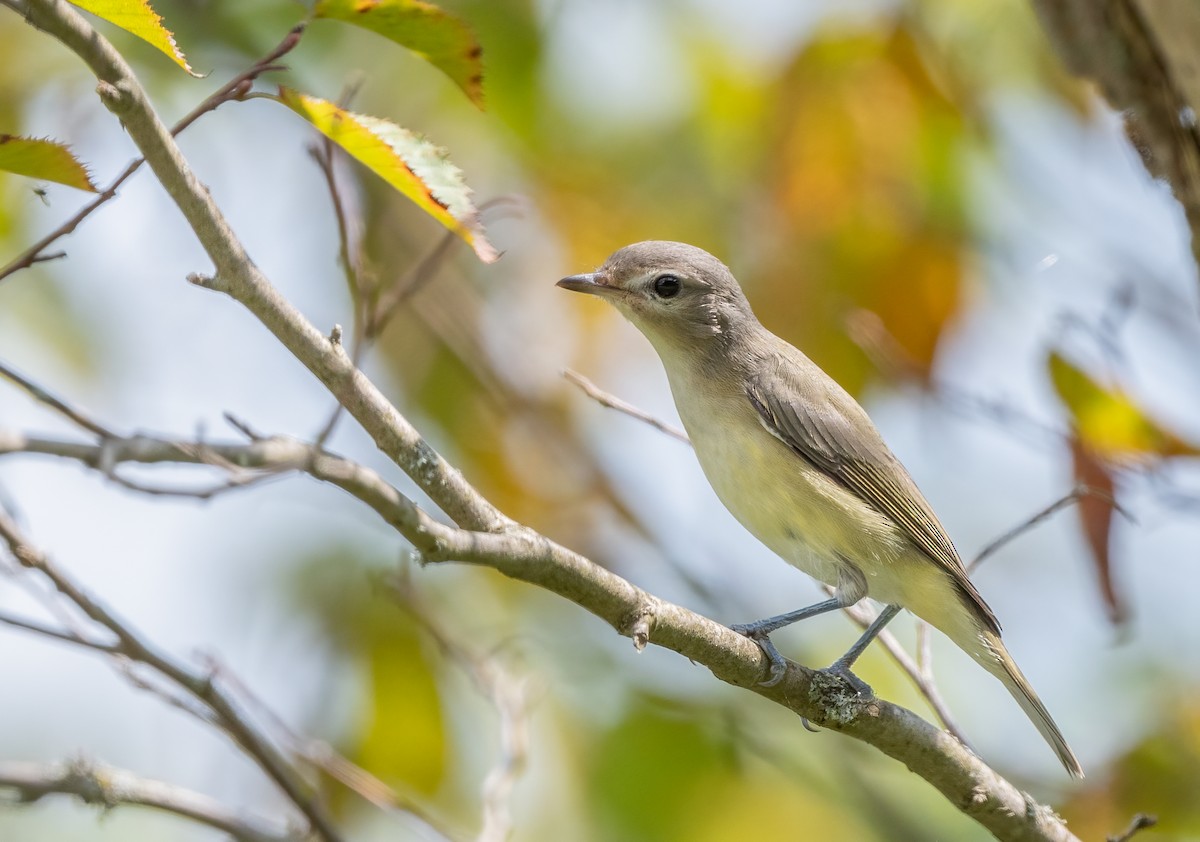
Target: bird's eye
(667,286)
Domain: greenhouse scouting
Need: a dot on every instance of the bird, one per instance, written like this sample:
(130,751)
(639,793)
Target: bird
(799,463)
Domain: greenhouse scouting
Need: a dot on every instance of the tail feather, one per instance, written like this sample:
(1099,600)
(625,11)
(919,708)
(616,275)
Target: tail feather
(996,660)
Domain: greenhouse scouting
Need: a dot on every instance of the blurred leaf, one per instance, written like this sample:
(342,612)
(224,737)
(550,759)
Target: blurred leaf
(649,801)
(442,39)
(399,732)
(412,165)
(670,771)
(1107,421)
(137,18)
(775,810)
(1158,775)
(1096,515)
(871,218)
(44,311)
(43,159)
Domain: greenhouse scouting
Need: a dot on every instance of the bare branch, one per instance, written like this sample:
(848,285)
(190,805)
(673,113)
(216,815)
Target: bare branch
(60,406)
(235,89)
(57,634)
(1076,494)
(107,787)
(323,756)
(132,645)
(238,276)
(1140,821)
(613,402)
(525,555)
(487,537)
(919,670)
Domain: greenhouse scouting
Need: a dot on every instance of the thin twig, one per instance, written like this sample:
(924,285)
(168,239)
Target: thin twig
(114,449)
(1140,821)
(1074,496)
(922,679)
(107,787)
(132,645)
(484,535)
(613,402)
(57,634)
(350,257)
(420,274)
(321,755)
(239,481)
(921,676)
(235,89)
(60,406)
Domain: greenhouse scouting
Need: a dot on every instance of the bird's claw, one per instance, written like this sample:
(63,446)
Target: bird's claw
(842,670)
(778,666)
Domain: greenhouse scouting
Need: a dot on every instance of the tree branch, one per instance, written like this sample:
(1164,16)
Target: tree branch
(238,276)
(106,786)
(235,89)
(920,673)
(525,555)
(612,402)
(1142,55)
(516,551)
(132,645)
(1139,822)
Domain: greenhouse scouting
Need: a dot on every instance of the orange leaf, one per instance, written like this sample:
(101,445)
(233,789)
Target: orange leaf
(1096,515)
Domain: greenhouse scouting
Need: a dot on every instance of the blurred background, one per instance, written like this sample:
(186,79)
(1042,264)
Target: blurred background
(914,193)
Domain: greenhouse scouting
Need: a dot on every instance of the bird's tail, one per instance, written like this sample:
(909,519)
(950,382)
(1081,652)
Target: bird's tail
(995,659)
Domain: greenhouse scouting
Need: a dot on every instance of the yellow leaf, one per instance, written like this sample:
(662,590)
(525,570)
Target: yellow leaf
(412,165)
(1107,421)
(43,159)
(137,18)
(402,735)
(440,38)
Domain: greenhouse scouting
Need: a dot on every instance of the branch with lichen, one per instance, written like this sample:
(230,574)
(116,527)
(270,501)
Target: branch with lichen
(482,535)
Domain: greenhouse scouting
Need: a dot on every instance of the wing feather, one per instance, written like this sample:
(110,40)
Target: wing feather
(825,426)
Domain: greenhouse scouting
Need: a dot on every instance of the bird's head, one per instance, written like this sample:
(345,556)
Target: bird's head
(679,296)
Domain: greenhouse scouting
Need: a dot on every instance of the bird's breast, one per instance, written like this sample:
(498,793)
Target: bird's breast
(803,515)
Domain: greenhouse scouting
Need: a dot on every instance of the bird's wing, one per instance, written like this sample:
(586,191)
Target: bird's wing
(822,424)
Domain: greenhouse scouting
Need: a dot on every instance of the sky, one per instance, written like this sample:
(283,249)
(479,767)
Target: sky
(1069,217)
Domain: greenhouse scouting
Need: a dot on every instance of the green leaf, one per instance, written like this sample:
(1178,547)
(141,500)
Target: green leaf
(437,36)
(43,159)
(137,18)
(412,165)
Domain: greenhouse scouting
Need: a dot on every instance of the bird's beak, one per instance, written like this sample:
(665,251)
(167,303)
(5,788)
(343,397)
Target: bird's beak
(591,283)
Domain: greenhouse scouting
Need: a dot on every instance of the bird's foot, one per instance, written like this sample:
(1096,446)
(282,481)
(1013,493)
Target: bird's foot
(841,670)
(778,666)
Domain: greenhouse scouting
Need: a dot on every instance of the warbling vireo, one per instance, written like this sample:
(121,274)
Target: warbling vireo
(798,462)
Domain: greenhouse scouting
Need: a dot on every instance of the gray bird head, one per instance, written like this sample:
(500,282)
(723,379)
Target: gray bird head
(679,296)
